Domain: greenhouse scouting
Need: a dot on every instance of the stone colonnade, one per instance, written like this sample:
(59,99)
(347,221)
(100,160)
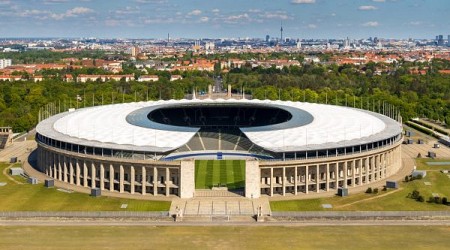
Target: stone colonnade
(152,178)
(143,177)
(326,174)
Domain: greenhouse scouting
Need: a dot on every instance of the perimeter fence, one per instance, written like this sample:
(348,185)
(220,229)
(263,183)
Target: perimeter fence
(84,214)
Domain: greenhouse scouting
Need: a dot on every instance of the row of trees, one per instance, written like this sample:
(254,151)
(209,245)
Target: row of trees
(413,95)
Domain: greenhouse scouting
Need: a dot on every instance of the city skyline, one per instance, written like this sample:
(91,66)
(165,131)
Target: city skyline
(221,19)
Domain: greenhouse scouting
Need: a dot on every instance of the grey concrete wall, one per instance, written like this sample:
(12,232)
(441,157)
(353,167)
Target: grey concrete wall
(187,179)
(252,179)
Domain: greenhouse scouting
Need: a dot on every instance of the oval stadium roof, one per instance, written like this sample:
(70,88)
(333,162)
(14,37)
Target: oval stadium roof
(126,126)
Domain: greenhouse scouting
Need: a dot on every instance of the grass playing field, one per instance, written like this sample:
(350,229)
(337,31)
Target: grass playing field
(209,173)
(20,196)
(225,237)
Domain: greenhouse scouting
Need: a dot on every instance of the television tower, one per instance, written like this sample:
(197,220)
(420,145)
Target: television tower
(281,31)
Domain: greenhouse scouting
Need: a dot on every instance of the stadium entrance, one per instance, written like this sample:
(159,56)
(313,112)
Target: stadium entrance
(219,177)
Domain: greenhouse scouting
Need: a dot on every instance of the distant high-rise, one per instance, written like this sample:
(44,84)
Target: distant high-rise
(448,40)
(346,43)
(267,38)
(134,51)
(281,31)
(440,40)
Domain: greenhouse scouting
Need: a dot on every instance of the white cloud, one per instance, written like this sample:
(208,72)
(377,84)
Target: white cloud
(415,23)
(303,1)
(195,13)
(274,15)
(55,1)
(151,1)
(367,7)
(71,13)
(79,11)
(371,24)
(379,1)
(215,11)
(237,18)
(204,19)
(312,26)
(128,10)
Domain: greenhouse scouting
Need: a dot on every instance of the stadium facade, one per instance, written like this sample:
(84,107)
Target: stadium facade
(149,148)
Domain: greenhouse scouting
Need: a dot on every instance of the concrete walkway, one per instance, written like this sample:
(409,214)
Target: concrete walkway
(215,206)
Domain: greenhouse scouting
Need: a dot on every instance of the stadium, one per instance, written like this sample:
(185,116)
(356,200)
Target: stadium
(253,148)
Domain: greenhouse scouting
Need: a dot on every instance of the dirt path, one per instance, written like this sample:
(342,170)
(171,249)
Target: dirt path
(5,173)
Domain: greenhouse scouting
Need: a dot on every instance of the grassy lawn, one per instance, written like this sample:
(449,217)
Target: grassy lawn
(27,197)
(383,201)
(209,173)
(203,237)
(422,164)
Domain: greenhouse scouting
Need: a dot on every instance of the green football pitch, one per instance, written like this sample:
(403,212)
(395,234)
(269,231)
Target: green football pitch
(210,173)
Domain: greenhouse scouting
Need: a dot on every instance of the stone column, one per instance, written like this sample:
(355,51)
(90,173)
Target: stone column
(372,163)
(144,180)
(155,181)
(132,179)
(306,179)
(167,182)
(283,183)
(111,177)
(93,175)
(317,178)
(328,178)
(271,182)
(55,167)
(85,174)
(121,179)
(78,173)
(70,171)
(353,173)
(360,171)
(345,173)
(367,170)
(295,180)
(66,170)
(102,176)
(59,168)
(336,175)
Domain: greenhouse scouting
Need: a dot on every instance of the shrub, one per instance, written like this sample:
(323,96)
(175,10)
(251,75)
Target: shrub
(437,200)
(375,190)
(406,178)
(444,200)
(384,188)
(419,155)
(415,194)
(419,177)
(420,198)
(369,190)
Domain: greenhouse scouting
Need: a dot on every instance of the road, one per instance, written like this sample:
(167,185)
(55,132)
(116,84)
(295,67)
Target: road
(140,222)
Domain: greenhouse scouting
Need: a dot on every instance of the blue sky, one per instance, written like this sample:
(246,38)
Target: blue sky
(224,18)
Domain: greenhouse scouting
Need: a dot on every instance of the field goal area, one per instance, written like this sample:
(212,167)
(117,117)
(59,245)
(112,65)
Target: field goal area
(223,173)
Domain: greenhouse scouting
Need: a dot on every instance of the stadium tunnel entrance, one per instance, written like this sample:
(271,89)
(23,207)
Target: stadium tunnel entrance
(220,177)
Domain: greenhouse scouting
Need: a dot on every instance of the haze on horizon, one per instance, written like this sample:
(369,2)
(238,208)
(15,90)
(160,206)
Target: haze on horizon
(219,19)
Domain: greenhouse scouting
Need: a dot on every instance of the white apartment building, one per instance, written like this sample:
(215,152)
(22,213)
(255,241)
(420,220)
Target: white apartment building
(5,63)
